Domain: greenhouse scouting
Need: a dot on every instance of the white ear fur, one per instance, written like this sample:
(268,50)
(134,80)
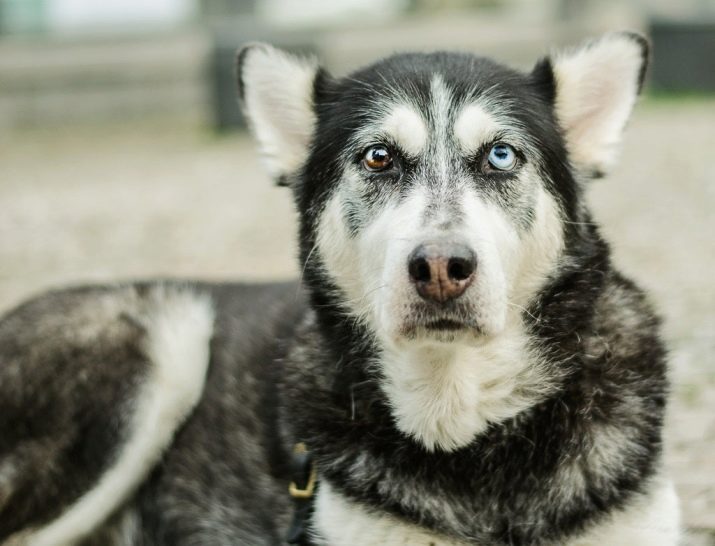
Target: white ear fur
(276,90)
(596,88)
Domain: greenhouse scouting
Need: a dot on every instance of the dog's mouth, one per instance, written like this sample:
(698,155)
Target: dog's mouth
(445,326)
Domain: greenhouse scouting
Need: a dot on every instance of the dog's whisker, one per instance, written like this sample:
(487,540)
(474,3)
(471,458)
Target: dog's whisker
(305,265)
(524,309)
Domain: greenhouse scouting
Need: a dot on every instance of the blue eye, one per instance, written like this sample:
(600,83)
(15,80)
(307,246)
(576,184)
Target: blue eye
(502,157)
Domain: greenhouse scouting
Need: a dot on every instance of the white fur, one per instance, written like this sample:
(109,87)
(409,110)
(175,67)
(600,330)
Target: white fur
(179,329)
(8,474)
(338,251)
(534,258)
(445,394)
(278,101)
(340,522)
(649,520)
(393,121)
(407,127)
(486,119)
(441,105)
(597,87)
(378,288)
(474,126)
(128,530)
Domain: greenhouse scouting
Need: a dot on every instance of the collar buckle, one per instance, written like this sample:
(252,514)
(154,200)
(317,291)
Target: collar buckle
(302,488)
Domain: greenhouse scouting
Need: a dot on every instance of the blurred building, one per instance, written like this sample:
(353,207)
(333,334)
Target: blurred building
(80,60)
(81,16)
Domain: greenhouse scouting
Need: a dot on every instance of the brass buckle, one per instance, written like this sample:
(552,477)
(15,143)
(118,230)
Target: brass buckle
(307,491)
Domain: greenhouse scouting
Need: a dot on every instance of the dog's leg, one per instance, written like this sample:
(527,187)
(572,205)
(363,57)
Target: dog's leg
(129,413)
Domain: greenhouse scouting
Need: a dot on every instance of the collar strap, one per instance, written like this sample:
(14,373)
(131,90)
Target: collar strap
(301,489)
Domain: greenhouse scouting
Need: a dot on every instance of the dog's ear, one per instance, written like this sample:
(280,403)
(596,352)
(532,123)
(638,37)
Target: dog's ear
(276,91)
(595,88)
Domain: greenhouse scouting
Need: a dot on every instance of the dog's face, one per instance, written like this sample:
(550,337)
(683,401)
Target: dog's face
(438,194)
(434,187)
(439,213)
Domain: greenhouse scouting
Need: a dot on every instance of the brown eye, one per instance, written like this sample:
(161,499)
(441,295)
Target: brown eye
(377,158)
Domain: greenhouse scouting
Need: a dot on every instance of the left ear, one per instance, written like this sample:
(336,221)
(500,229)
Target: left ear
(276,90)
(596,87)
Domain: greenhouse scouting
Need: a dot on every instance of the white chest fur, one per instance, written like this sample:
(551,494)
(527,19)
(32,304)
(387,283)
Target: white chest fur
(340,522)
(650,520)
(445,396)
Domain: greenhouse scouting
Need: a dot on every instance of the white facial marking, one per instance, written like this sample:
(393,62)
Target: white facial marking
(340,253)
(444,392)
(444,395)
(373,266)
(441,105)
(179,329)
(539,251)
(407,127)
(473,127)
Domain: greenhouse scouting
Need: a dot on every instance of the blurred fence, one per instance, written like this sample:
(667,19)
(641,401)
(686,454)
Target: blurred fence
(177,57)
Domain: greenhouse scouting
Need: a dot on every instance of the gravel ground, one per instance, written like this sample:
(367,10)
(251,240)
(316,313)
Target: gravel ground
(161,197)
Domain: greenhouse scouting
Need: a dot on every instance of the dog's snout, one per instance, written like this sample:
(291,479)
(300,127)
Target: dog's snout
(442,271)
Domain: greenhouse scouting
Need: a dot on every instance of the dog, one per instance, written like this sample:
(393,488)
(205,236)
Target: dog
(461,363)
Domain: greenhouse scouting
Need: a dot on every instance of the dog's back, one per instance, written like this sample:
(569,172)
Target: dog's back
(97,383)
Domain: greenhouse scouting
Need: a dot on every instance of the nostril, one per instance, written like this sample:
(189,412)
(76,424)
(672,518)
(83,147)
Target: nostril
(460,269)
(419,269)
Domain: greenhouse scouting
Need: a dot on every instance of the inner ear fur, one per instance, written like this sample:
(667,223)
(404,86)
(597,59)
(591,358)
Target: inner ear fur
(276,91)
(594,88)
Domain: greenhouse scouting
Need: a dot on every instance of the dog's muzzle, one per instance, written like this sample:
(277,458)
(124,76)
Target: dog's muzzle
(441,270)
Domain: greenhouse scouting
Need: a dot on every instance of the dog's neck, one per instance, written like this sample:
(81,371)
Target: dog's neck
(444,395)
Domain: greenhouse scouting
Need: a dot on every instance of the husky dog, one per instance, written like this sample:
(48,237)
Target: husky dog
(462,361)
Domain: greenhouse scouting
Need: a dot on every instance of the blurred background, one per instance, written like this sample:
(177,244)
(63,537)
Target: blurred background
(123,154)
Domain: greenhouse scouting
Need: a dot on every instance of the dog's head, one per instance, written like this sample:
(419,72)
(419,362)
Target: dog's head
(439,194)
(433,188)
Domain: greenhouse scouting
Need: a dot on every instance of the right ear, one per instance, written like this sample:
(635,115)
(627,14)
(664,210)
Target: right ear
(276,91)
(596,87)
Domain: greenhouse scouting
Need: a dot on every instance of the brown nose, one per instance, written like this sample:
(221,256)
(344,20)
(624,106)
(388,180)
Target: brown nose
(441,271)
